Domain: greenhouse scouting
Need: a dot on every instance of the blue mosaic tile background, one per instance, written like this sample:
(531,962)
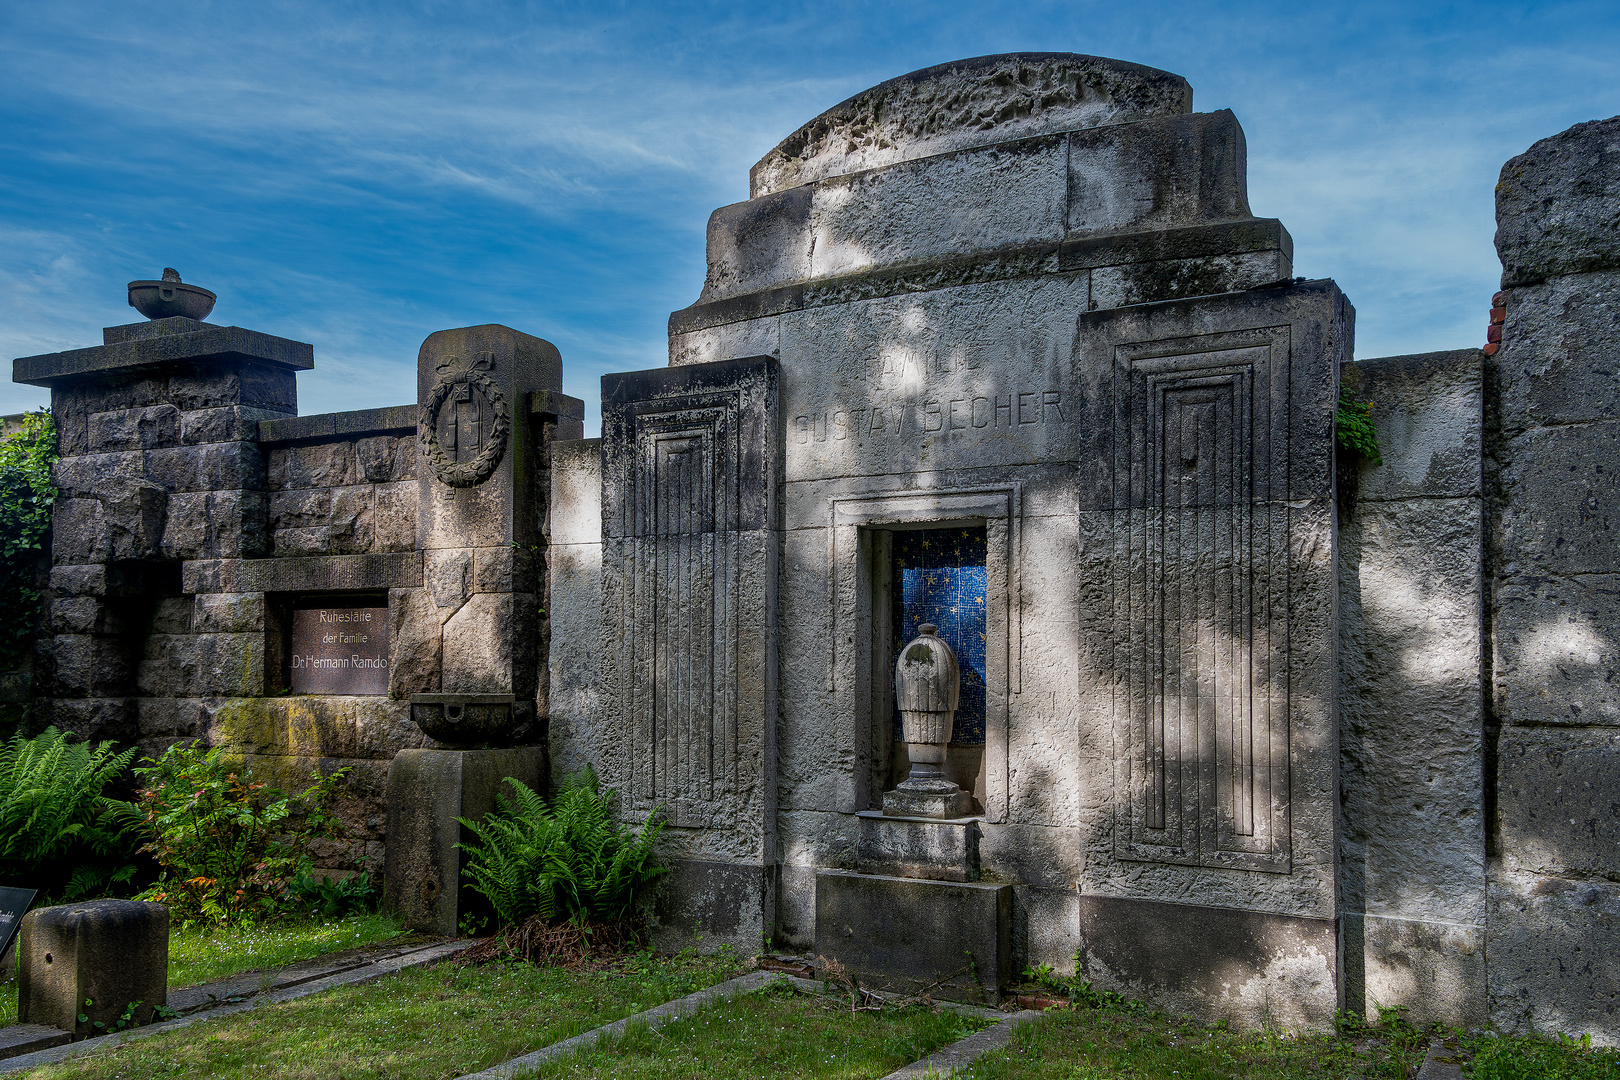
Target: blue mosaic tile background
(939,574)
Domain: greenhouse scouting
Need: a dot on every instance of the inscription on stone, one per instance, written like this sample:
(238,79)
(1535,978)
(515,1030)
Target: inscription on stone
(339,650)
(14,905)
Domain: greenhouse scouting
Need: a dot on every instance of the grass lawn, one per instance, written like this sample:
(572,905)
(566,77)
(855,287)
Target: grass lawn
(1128,1042)
(413,1025)
(772,1032)
(199,954)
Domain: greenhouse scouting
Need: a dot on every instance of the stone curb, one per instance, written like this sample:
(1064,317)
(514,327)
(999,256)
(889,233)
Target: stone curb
(945,1062)
(654,1017)
(428,954)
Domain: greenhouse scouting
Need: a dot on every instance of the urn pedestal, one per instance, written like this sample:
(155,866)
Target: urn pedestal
(928,686)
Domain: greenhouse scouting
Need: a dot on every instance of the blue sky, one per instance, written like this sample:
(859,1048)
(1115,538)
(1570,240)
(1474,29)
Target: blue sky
(358,175)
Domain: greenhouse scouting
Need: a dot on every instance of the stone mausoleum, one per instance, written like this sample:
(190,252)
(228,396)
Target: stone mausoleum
(998,405)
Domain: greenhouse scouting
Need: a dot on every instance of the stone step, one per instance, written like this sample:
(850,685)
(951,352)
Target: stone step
(26,1038)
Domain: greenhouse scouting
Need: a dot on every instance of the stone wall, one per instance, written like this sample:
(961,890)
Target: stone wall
(198,513)
(1412,700)
(1553,918)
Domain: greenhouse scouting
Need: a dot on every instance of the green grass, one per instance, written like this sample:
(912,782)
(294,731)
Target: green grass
(1129,1042)
(774,1032)
(418,1024)
(199,954)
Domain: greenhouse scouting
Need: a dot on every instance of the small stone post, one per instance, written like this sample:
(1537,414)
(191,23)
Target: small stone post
(93,960)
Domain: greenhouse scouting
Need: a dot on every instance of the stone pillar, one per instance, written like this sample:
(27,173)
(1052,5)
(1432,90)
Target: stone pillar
(158,433)
(93,960)
(482,511)
(427,791)
(1552,919)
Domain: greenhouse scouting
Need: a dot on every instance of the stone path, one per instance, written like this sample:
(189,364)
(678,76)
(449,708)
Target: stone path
(251,989)
(946,1061)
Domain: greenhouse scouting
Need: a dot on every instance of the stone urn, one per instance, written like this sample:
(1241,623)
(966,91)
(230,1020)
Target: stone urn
(170,298)
(927,687)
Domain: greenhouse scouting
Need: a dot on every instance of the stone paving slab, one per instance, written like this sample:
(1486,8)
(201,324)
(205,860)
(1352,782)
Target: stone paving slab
(26,1038)
(945,1062)
(652,1018)
(349,976)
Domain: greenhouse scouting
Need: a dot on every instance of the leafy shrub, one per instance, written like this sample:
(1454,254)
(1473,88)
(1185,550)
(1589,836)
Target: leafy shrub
(229,846)
(1353,428)
(332,899)
(567,860)
(59,832)
(26,493)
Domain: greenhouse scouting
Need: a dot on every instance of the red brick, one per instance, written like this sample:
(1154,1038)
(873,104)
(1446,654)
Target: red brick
(1490,349)
(1494,333)
(1498,314)
(1500,299)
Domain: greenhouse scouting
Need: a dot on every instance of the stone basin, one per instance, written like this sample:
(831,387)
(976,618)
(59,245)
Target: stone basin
(167,299)
(463,719)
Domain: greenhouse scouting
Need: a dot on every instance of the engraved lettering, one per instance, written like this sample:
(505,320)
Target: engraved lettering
(1022,407)
(932,412)
(1049,400)
(976,421)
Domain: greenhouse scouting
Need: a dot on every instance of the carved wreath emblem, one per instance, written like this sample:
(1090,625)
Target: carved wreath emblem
(464,377)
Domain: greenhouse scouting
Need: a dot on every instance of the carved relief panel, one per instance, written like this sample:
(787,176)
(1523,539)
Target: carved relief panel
(1202,592)
(689,570)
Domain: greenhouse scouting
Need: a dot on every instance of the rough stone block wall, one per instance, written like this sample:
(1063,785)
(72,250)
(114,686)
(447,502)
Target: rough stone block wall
(349,496)
(1412,702)
(1553,920)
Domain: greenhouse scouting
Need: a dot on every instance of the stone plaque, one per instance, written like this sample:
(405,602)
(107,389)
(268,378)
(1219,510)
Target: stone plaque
(339,650)
(13,906)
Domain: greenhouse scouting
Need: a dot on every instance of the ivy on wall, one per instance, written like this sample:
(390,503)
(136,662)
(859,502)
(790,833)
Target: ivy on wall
(26,493)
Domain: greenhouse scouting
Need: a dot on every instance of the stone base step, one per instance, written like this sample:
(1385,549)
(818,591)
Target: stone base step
(26,1038)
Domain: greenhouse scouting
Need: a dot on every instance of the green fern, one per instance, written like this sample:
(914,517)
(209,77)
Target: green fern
(57,828)
(570,859)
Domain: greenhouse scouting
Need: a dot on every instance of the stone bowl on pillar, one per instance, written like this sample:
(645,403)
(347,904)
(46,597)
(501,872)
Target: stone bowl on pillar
(927,687)
(170,298)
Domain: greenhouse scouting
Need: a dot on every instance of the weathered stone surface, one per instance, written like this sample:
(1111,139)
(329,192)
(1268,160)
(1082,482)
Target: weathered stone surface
(97,720)
(1558,205)
(255,362)
(1560,352)
(135,429)
(320,465)
(448,574)
(228,613)
(482,651)
(427,791)
(1559,801)
(344,573)
(94,960)
(901,847)
(181,665)
(1249,966)
(579,731)
(1412,709)
(312,726)
(690,521)
(1561,494)
(1557,646)
(1428,409)
(360,422)
(1551,944)
(968,103)
(230,423)
(87,666)
(415,642)
(902,933)
(1434,970)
